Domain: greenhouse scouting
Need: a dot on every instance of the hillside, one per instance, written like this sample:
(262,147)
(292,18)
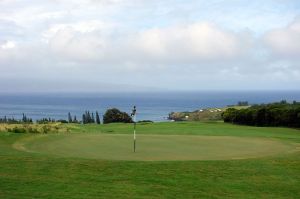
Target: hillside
(208,114)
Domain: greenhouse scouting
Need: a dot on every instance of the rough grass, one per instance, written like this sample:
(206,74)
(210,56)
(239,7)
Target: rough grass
(34,175)
(35,128)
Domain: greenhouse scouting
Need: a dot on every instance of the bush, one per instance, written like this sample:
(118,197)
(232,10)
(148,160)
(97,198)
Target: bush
(145,121)
(18,130)
(63,121)
(35,128)
(115,115)
(274,114)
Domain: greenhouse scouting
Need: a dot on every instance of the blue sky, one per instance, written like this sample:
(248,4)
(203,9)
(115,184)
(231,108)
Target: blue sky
(143,45)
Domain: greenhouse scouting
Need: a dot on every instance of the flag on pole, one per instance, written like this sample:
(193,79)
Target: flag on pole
(133,116)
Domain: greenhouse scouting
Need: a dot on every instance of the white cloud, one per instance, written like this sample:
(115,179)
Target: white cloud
(72,45)
(190,44)
(8,45)
(197,41)
(285,41)
(169,43)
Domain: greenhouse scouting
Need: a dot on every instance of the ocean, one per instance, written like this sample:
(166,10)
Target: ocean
(153,106)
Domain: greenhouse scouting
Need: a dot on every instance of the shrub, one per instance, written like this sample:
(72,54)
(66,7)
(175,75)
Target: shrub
(19,130)
(145,121)
(274,114)
(63,121)
(115,115)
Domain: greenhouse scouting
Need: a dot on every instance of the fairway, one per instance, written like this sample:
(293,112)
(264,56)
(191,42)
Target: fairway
(200,159)
(153,147)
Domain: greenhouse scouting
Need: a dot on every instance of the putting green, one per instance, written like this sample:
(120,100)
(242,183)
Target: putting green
(153,147)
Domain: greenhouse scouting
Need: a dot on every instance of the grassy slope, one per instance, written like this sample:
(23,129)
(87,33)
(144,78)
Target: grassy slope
(25,175)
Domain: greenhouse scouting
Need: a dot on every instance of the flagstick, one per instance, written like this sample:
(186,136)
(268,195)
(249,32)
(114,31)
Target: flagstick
(133,116)
(134,138)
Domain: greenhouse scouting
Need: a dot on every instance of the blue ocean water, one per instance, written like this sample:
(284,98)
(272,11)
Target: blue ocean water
(150,106)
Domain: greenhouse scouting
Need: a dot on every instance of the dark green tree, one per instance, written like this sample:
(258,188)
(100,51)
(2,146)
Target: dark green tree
(97,118)
(274,114)
(93,118)
(75,119)
(70,118)
(83,119)
(115,115)
(24,118)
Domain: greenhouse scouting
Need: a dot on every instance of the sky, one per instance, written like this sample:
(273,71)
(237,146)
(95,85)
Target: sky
(149,45)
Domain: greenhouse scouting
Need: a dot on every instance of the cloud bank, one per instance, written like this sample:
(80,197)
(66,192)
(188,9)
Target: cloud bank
(140,45)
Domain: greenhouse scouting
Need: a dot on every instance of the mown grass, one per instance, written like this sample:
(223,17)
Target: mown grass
(154,147)
(30,175)
(189,128)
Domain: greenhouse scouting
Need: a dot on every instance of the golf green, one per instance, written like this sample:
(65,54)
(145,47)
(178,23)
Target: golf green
(153,147)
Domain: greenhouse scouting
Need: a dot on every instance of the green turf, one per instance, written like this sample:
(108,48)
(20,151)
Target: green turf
(39,175)
(190,128)
(154,147)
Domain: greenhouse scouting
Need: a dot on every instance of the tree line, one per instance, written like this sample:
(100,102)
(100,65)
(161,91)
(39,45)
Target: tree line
(12,120)
(274,114)
(110,116)
(88,118)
